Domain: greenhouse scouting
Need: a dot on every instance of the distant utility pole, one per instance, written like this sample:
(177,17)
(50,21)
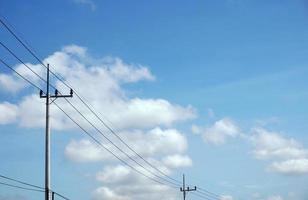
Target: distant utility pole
(47,131)
(185,190)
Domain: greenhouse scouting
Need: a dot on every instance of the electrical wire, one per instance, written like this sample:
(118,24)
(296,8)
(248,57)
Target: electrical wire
(19,187)
(13,54)
(205,192)
(10,51)
(131,158)
(203,197)
(38,188)
(8,66)
(21,182)
(80,98)
(208,193)
(102,145)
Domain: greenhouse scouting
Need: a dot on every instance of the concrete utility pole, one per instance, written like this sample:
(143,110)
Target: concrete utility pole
(47,131)
(185,190)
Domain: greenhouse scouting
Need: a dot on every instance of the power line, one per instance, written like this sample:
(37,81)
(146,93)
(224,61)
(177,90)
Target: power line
(19,187)
(83,115)
(185,189)
(131,158)
(60,195)
(204,197)
(13,54)
(38,188)
(21,182)
(8,66)
(81,99)
(120,138)
(15,180)
(102,145)
(87,105)
(208,193)
(78,112)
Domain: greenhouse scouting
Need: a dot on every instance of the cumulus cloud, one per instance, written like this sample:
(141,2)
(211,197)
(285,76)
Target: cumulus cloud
(75,50)
(144,123)
(158,142)
(129,185)
(13,83)
(220,131)
(162,148)
(287,155)
(270,144)
(125,74)
(177,160)
(9,113)
(102,81)
(291,166)
(10,83)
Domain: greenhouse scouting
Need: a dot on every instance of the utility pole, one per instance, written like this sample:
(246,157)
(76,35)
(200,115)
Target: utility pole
(185,190)
(48,97)
(52,195)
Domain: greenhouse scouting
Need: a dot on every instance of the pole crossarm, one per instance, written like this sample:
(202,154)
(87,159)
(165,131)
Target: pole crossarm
(188,189)
(56,95)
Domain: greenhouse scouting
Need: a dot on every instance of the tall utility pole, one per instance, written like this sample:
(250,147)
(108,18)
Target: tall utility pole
(185,190)
(47,131)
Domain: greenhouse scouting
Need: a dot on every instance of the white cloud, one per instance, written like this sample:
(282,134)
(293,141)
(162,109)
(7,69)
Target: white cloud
(291,166)
(276,197)
(75,50)
(220,131)
(123,183)
(270,144)
(9,113)
(196,129)
(25,72)
(144,123)
(226,197)
(11,83)
(86,2)
(107,193)
(84,151)
(129,74)
(177,160)
(101,80)
(158,142)
(287,155)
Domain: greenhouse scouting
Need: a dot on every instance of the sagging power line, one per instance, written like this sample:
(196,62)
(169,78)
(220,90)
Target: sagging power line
(87,132)
(148,177)
(173,181)
(30,187)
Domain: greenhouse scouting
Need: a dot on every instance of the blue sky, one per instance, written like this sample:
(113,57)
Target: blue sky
(223,82)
